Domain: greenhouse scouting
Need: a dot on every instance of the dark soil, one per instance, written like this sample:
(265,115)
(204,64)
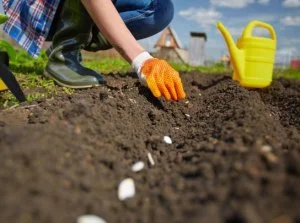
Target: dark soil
(235,155)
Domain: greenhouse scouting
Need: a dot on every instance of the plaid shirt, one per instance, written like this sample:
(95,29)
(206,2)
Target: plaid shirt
(29,22)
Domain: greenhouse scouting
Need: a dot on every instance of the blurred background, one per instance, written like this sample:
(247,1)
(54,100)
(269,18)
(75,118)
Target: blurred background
(201,16)
(190,43)
(192,37)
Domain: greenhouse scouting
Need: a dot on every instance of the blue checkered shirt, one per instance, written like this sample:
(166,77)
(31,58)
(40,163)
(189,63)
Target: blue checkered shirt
(29,22)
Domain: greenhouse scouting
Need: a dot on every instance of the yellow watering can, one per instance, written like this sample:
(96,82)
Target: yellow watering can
(3,19)
(253,57)
(2,86)
(7,79)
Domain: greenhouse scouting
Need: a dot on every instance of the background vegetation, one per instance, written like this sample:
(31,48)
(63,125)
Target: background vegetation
(29,73)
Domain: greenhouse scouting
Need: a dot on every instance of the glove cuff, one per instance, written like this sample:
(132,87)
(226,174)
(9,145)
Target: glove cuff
(138,62)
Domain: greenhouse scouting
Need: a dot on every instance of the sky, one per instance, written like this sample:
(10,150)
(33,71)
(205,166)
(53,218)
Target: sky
(202,15)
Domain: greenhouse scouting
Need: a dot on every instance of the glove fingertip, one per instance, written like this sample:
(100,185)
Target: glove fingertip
(173,93)
(179,89)
(168,98)
(165,93)
(156,94)
(181,95)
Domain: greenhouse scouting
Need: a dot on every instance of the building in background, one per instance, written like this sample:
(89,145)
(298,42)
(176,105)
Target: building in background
(225,59)
(295,64)
(169,47)
(196,53)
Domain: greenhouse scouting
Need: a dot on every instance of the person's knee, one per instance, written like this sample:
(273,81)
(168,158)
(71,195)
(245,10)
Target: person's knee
(153,19)
(163,14)
(160,18)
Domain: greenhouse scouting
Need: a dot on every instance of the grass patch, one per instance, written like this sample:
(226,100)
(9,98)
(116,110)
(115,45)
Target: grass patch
(287,73)
(211,69)
(35,87)
(108,65)
(28,72)
(26,64)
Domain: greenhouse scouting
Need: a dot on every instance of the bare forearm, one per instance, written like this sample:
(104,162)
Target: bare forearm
(108,20)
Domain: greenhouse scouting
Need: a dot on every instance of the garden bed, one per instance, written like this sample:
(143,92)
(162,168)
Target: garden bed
(235,155)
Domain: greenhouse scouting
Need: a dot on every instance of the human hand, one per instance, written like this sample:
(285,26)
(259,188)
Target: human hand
(161,78)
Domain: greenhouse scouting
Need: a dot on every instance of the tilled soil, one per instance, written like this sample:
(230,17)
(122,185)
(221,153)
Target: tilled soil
(235,155)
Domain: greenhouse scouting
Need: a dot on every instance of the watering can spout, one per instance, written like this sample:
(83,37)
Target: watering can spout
(237,55)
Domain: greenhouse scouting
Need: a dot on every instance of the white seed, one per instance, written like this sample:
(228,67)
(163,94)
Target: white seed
(90,219)
(126,189)
(177,128)
(187,115)
(271,157)
(266,149)
(132,101)
(138,166)
(187,102)
(167,140)
(151,160)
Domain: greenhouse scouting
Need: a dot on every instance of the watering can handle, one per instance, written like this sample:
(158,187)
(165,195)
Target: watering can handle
(249,29)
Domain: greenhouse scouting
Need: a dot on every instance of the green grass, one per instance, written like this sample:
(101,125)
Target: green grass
(108,65)
(287,73)
(35,86)
(211,69)
(29,72)
(25,64)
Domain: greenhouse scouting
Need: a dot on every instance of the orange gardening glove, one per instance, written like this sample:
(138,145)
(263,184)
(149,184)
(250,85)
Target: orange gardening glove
(160,77)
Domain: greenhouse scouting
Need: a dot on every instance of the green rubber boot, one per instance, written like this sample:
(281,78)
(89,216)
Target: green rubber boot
(98,42)
(72,32)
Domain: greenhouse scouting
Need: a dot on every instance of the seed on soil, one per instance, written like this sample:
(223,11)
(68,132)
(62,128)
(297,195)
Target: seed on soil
(272,158)
(151,160)
(138,166)
(77,129)
(90,219)
(167,140)
(132,101)
(187,115)
(126,189)
(266,149)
